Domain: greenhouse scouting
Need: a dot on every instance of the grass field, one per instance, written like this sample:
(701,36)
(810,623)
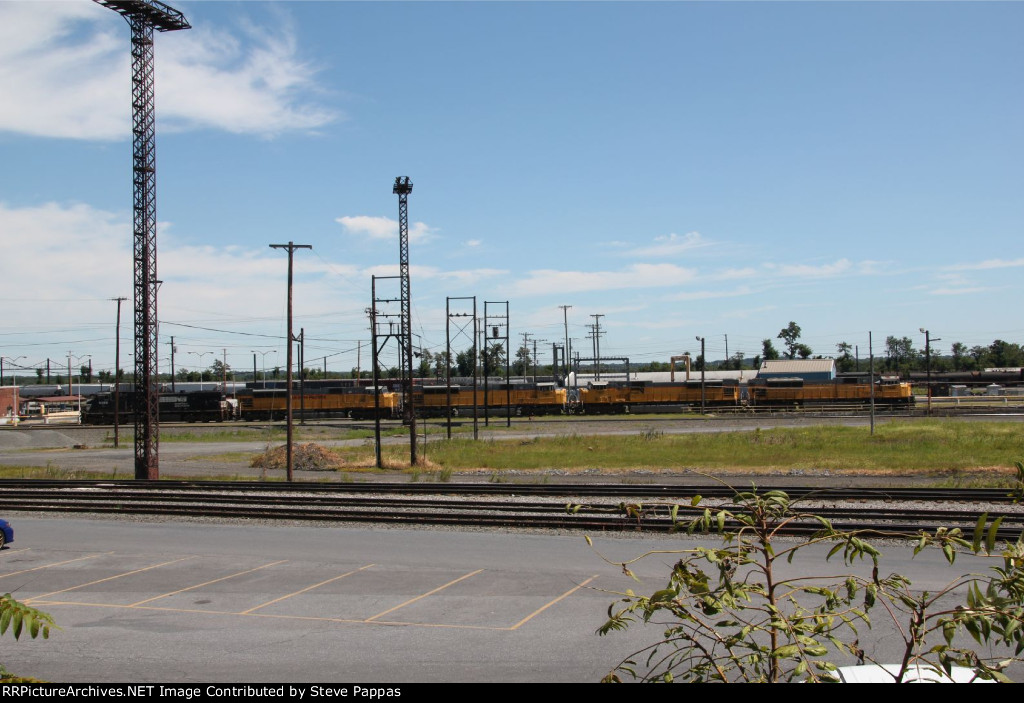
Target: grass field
(913,446)
(950,450)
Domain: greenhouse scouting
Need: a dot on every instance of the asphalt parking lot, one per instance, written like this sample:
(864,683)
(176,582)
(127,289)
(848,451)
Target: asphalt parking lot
(159,602)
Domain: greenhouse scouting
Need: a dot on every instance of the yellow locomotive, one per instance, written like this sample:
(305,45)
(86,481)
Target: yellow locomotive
(356,403)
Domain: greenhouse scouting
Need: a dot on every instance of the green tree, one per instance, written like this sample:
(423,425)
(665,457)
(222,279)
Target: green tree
(789,335)
(219,370)
(734,612)
(1005,354)
(737,361)
(443,364)
(980,356)
(961,359)
(426,365)
(494,359)
(39,376)
(845,362)
(524,359)
(465,361)
(900,354)
(768,351)
(85,374)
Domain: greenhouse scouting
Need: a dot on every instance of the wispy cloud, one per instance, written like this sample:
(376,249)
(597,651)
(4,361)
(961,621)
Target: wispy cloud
(808,271)
(384,228)
(733,274)
(711,294)
(671,245)
(65,69)
(987,264)
(746,313)
(545,281)
(427,273)
(961,291)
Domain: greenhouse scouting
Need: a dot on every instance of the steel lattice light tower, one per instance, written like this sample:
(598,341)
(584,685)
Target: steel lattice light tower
(402,188)
(143,17)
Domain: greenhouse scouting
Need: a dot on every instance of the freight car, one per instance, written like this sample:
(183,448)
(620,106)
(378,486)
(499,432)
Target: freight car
(522,398)
(356,403)
(192,406)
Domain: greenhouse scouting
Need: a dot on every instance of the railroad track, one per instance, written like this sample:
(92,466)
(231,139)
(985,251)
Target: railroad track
(581,507)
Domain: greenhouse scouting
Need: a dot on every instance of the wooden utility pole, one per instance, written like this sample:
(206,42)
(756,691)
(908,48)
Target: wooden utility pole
(290,247)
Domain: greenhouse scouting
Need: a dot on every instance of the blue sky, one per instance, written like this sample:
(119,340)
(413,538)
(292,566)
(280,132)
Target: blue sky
(683,169)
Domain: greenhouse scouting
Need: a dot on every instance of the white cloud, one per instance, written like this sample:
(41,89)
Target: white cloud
(987,264)
(81,257)
(547,281)
(960,291)
(384,228)
(807,271)
(733,274)
(65,72)
(472,242)
(746,313)
(672,244)
(711,294)
(430,273)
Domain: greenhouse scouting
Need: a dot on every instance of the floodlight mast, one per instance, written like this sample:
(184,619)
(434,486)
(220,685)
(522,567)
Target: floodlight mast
(145,16)
(402,188)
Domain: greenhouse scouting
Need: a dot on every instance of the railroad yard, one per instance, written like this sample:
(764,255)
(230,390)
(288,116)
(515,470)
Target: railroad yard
(488,567)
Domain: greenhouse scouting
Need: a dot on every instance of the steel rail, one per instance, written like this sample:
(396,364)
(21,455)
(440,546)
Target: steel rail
(652,490)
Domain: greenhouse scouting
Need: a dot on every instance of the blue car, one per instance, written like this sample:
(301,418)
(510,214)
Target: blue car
(6,533)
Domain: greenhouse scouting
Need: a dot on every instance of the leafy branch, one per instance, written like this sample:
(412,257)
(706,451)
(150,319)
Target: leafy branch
(731,613)
(20,619)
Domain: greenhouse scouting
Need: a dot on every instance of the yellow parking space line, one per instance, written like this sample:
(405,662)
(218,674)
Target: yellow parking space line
(59,563)
(540,610)
(421,597)
(200,585)
(307,618)
(307,588)
(75,603)
(383,623)
(109,578)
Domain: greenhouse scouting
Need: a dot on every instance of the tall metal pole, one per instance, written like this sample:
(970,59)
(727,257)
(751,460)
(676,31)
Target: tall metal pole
(402,188)
(376,391)
(565,317)
(871,356)
(145,16)
(703,365)
(928,363)
(117,371)
(290,247)
(302,376)
(174,387)
(476,422)
(448,364)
